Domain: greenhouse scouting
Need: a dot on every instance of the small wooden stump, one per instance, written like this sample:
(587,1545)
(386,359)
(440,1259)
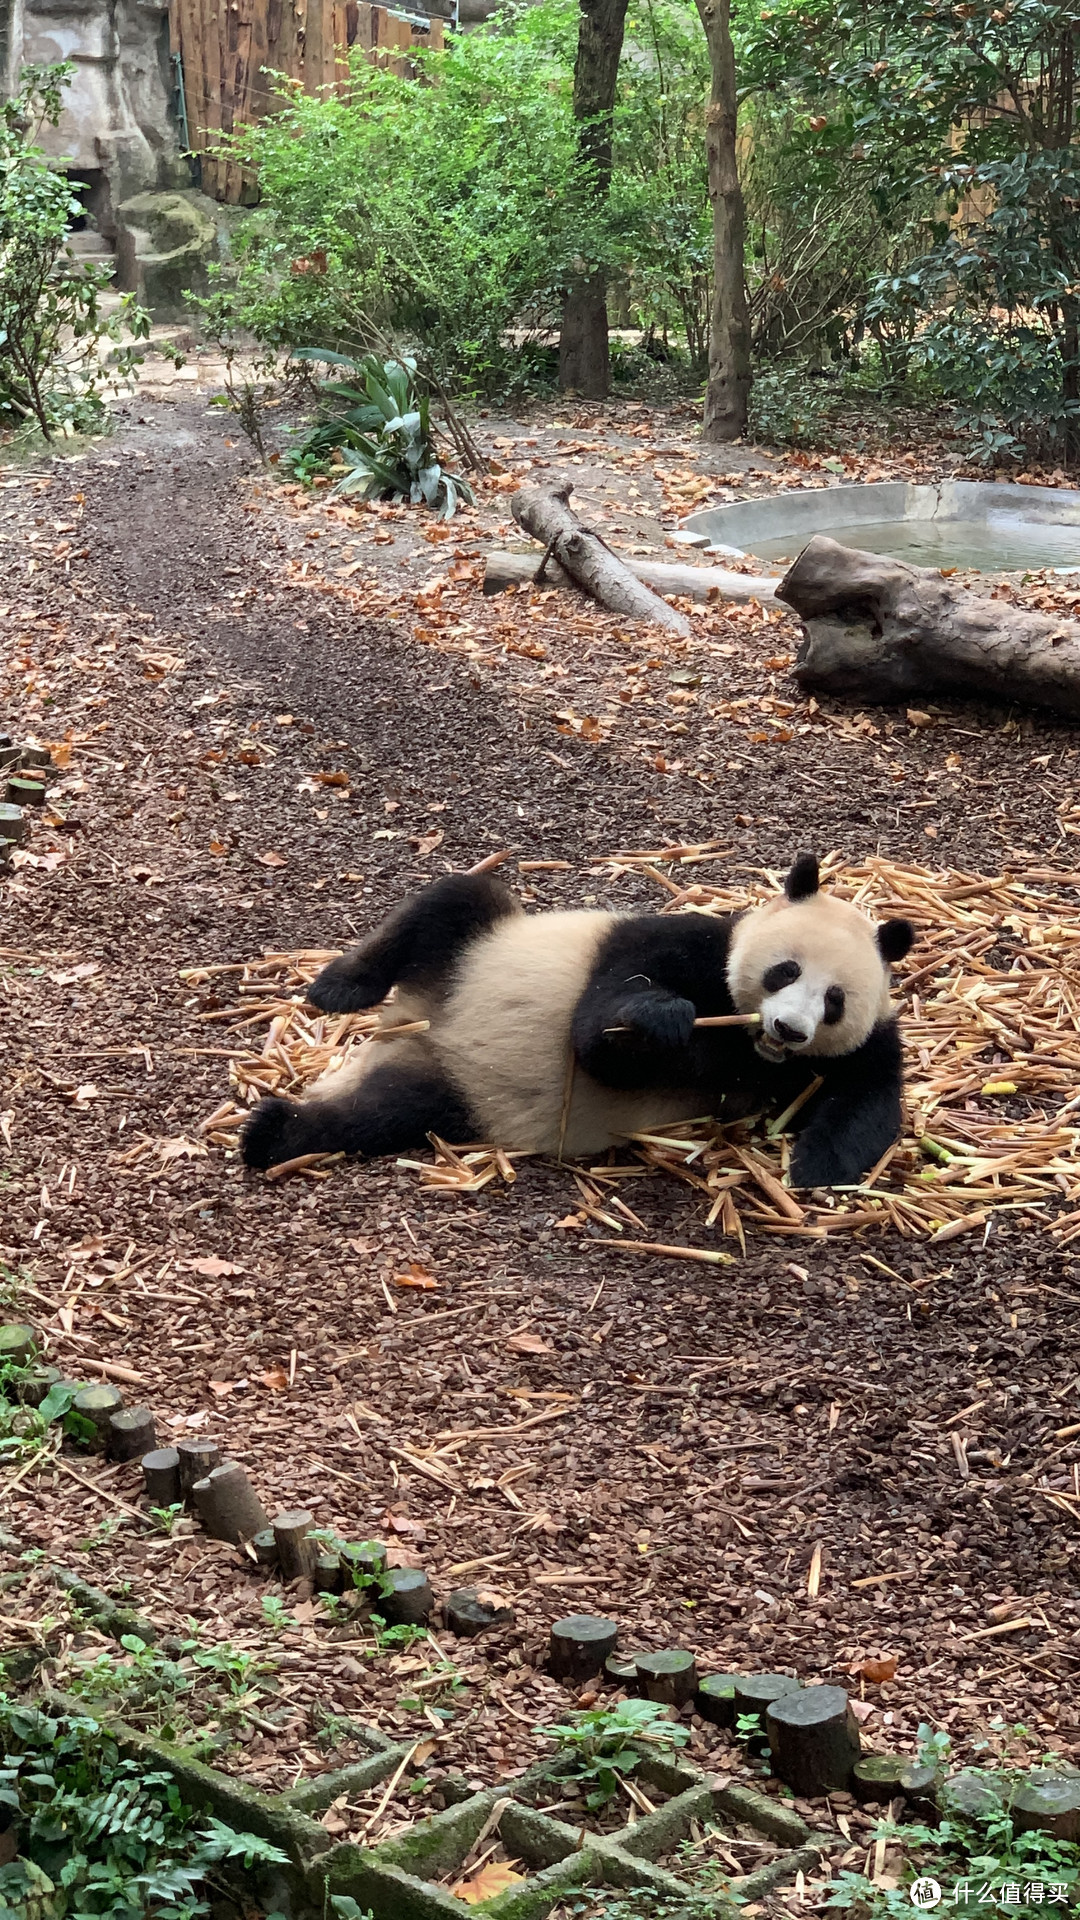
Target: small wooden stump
(25,792)
(670,1677)
(878,1776)
(228,1505)
(98,1404)
(1048,1802)
(14,825)
(364,1563)
(972,1795)
(715,1698)
(297,1552)
(38,1384)
(409,1601)
(919,1785)
(197,1459)
(18,1346)
(161,1477)
(467,1615)
(265,1546)
(814,1739)
(755,1693)
(131,1434)
(37,757)
(329,1574)
(580,1644)
(621,1670)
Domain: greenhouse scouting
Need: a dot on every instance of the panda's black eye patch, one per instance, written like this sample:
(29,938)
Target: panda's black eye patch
(834,1006)
(784,974)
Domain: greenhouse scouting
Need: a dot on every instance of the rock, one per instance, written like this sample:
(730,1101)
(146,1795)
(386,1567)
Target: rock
(164,242)
(972,1795)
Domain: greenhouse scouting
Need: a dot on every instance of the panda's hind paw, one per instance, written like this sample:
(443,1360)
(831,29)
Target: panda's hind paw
(343,987)
(273,1132)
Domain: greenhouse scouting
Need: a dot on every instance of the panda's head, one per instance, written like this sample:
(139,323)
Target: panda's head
(815,968)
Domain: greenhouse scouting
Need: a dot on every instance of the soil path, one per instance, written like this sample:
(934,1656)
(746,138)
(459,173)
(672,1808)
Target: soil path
(722,1427)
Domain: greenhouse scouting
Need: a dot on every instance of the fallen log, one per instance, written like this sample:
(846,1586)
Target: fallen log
(507,569)
(582,554)
(879,629)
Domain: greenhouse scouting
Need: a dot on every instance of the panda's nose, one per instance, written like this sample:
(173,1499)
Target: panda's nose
(792,1036)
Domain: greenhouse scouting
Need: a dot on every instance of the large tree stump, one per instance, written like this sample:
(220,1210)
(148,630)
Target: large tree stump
(505,569)
(813,1739)
(879,629)
(547,516)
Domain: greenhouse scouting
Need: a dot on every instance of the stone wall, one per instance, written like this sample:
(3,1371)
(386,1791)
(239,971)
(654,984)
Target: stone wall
(119,127)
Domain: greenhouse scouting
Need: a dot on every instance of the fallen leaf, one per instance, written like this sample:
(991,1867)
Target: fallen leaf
(916,718)
(862,1709)
(277,1379)
(414,1275)
(304,1612)
(487,1882)
(878,1671)
(400,1523)
(221,1389)
(184,1149)
(83,1095)
(81,972)
(528,1343)
(425,843)
(212,1268)
(271,860)
(340,779)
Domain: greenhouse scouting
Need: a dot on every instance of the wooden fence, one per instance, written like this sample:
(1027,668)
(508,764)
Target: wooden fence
(225,45)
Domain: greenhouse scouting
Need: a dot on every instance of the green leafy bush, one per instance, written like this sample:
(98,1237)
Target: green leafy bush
(52,371)
(102,1835)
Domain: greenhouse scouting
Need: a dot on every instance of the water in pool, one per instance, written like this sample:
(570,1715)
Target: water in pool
(1006,541)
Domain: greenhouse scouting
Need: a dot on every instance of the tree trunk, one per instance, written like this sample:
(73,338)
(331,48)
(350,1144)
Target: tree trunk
(583,343)
(728,389)
(503,570)
(879,629)
(583,555)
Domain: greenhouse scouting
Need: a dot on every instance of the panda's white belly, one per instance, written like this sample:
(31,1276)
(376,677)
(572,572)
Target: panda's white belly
(504,1037)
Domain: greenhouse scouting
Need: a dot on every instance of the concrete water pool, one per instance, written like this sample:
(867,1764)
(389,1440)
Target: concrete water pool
(956,523)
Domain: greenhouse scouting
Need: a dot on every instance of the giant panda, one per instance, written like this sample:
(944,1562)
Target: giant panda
(564,1032)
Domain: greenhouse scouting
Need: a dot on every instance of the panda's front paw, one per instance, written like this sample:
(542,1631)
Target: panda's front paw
(274,1131)
(816,1163)
(345,987)
(662,1019)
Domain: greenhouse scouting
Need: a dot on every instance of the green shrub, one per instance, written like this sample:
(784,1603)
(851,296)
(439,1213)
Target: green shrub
(51,325)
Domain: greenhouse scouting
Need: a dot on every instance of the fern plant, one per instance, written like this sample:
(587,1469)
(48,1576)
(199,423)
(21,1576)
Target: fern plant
(382,431)
(99,1834)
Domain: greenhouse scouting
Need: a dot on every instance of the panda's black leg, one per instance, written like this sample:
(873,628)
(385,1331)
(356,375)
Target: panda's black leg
(394,1107)
(416,945)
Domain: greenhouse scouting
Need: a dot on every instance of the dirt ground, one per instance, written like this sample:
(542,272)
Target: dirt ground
(677,1444)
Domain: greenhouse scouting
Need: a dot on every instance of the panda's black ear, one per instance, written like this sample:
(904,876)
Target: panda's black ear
(802,881)
(895,938)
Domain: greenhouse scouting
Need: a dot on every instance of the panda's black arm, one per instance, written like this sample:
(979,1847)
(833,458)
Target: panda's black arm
(633,1026)
(856,1116)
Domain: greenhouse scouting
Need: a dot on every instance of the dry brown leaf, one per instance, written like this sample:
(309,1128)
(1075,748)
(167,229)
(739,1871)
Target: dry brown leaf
(339,779)
(182,1149)
(277,1379)
(400,1523)
(271,860)
(425,843)
(487,1882)
(221,1389)
(414,1275)
(81,972)
(528,1343)
(877,1671)
(212,1268)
